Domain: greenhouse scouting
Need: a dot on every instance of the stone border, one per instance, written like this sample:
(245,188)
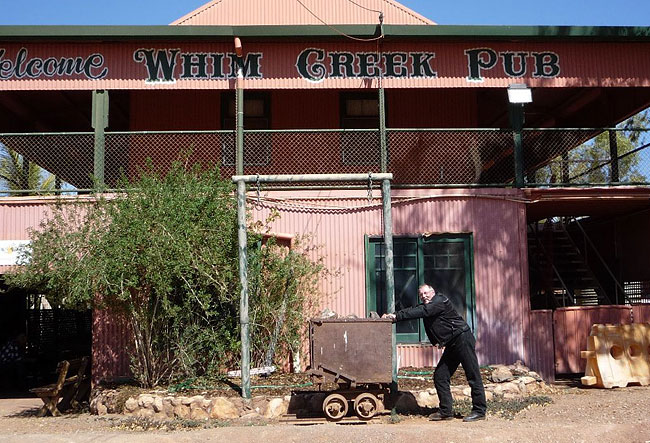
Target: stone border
(514,381)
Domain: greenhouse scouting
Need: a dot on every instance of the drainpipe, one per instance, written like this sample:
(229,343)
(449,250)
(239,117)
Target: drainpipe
(99,124)
(241,221)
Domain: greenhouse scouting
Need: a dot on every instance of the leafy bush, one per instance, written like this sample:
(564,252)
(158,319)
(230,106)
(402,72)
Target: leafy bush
(164,253)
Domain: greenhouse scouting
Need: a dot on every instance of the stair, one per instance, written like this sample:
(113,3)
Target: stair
(559,273)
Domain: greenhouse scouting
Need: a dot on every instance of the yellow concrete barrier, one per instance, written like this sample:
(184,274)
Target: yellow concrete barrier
(617,355)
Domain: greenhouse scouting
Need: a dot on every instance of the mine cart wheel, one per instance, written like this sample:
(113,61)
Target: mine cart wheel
(335,406)
(366,405)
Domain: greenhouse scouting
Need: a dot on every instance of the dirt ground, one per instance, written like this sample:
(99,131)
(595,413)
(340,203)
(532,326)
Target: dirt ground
(575,415)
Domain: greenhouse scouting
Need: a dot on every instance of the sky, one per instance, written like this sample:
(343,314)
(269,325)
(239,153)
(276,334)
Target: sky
(464,12)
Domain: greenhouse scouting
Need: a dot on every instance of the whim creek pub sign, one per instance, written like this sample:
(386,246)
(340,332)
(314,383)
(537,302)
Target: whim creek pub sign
(310,65)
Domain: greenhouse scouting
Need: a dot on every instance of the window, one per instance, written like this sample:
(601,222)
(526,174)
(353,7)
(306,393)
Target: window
(443,261)
(360,111)
(257,145)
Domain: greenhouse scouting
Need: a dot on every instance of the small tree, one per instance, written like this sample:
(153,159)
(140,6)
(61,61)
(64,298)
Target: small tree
(283,284)
(590,162)
(164,253)
(18,173)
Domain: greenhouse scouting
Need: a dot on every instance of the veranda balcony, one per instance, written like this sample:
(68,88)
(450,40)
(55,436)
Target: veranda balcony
(416,157)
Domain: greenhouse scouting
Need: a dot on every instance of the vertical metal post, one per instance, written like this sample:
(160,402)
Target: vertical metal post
(382,130)
(390,279)
(239,109)
(613,155)
(517,122)
(99,124)
(243,300)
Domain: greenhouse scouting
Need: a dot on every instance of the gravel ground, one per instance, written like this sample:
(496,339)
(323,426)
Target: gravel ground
(576,415)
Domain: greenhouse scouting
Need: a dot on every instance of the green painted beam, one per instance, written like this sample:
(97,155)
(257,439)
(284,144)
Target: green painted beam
(391,32)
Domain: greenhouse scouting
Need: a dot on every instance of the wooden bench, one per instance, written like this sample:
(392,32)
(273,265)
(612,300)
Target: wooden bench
(72,385)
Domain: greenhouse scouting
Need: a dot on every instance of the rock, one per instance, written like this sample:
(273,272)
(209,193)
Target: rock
(328,313)
(190,400)
(259,404)
(519,365)
(177,401)
(526,380)
(131,404)
(93,405)
(101,409)
(145,412)
(252,415)
(510,387)
(489,396)
(501,374)
(222,408)
(425,399)
(523,390)
(198,413)
(276,408)
(535,375)
(181,411)
(145,401)
(168,409)
(157,404)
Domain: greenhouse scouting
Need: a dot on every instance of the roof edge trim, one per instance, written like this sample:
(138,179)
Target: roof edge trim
(306,31)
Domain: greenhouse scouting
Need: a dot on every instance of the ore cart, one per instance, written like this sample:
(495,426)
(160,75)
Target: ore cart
(357,355)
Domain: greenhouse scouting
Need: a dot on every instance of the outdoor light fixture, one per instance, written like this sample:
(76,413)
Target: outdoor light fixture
(519,93)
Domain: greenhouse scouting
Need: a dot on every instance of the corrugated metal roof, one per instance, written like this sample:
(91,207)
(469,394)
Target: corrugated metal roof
(301,12)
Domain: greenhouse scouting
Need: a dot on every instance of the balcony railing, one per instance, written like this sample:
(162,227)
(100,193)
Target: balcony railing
(66,162)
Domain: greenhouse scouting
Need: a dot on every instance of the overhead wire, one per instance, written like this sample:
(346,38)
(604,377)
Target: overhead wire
(364,7)
(341,32)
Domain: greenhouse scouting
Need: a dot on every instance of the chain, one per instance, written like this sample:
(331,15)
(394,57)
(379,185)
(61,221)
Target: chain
(257,181)
(369,187)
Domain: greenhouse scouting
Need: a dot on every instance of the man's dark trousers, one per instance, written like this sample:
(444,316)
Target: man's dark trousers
(459,351)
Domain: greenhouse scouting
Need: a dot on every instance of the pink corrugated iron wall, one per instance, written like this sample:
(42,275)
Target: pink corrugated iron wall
(17,214)
(110,347)
(572,327)
(641,313)
(500,255)
(417,356)
(540,344)
(339,226)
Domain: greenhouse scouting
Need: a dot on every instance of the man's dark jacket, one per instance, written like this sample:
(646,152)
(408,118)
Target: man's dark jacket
(441,321)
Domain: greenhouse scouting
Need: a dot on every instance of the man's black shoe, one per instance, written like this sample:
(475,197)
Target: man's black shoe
(436,416)
(474,416)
